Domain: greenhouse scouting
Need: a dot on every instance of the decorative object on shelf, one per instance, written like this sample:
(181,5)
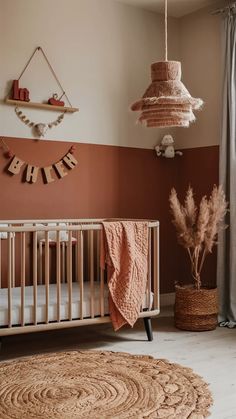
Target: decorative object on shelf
(166,102)
(55,101)
(196,305)
(166,148)
(68,161)
(40,129)
(19,94)
(20,97)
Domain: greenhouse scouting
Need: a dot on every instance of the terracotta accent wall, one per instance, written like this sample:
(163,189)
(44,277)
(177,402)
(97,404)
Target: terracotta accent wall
(111,181)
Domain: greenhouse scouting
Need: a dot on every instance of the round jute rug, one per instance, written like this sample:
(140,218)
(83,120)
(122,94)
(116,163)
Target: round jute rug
(99,385)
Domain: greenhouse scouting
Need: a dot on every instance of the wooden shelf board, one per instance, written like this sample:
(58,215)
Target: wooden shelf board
(44,106)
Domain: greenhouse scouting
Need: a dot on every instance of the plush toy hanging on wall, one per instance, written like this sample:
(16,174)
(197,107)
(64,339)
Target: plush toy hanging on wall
(167,148)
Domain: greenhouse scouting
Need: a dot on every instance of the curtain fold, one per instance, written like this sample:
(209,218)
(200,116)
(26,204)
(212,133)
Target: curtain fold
(226,261)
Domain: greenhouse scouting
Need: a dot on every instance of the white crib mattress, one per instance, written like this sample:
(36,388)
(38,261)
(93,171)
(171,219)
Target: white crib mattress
(52,310)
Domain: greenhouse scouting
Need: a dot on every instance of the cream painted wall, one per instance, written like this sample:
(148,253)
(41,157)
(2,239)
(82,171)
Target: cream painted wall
(201,56)
(101,51)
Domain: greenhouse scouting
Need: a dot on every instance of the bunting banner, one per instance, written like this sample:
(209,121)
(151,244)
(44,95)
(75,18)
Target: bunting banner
(30,173)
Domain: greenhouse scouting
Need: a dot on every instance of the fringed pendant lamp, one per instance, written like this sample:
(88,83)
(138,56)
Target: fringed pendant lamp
(166,102)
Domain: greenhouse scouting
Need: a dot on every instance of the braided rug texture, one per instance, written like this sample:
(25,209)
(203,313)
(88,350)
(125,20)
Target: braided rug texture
(99,385)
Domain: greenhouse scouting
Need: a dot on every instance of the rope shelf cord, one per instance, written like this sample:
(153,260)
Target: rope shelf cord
(166,102)
(44,106)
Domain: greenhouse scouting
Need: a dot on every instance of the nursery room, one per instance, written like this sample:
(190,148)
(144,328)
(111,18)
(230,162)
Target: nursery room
(117,215)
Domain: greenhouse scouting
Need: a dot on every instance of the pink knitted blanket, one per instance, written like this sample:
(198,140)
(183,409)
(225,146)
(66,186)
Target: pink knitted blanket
(124,249)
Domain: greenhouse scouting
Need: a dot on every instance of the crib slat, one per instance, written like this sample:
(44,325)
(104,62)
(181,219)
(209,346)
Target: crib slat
(35,274)
(149,279)
(41,262)
(102,306)
(63,268)
(77,256)
(155,266)
(97,252)
(13,259)
(81,272)
(9,279)
(75,265)
(58,269)
(91,272)
(69,274)
(158,267)
(22,279)
(0,262)
(47,275)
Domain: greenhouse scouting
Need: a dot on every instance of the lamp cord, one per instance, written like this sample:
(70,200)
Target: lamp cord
(166,32)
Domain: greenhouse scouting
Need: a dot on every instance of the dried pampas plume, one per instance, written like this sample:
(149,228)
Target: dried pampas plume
(197,227)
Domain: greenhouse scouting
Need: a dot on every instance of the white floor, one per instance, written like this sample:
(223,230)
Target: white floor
(210,354)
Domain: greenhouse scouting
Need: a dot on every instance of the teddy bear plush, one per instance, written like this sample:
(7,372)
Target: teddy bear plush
(166,148)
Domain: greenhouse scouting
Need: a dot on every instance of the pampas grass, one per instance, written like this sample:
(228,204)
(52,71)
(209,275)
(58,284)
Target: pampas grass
(197,227)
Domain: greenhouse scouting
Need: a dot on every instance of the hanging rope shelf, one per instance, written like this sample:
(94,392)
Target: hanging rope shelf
(44,106)
(166,102)
(12,99)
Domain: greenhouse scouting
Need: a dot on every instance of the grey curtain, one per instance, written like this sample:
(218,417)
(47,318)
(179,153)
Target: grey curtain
(226,265)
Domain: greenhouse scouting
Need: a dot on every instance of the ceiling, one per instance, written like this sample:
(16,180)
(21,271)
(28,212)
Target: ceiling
(176,8)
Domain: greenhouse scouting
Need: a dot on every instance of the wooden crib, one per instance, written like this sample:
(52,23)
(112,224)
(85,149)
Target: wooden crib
(50,275)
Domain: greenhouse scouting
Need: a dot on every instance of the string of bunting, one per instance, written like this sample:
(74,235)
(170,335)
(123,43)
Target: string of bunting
(30,172)
(39,128)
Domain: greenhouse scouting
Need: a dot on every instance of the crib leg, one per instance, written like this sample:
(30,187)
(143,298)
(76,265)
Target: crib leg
(148,328)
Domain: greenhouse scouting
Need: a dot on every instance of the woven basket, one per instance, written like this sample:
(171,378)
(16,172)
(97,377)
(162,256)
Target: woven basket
(196,310)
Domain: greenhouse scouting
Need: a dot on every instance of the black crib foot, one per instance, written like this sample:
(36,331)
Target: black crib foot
(148,328)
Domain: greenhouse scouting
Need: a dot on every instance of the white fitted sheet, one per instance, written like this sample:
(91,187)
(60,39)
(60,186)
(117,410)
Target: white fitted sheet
(52,309)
